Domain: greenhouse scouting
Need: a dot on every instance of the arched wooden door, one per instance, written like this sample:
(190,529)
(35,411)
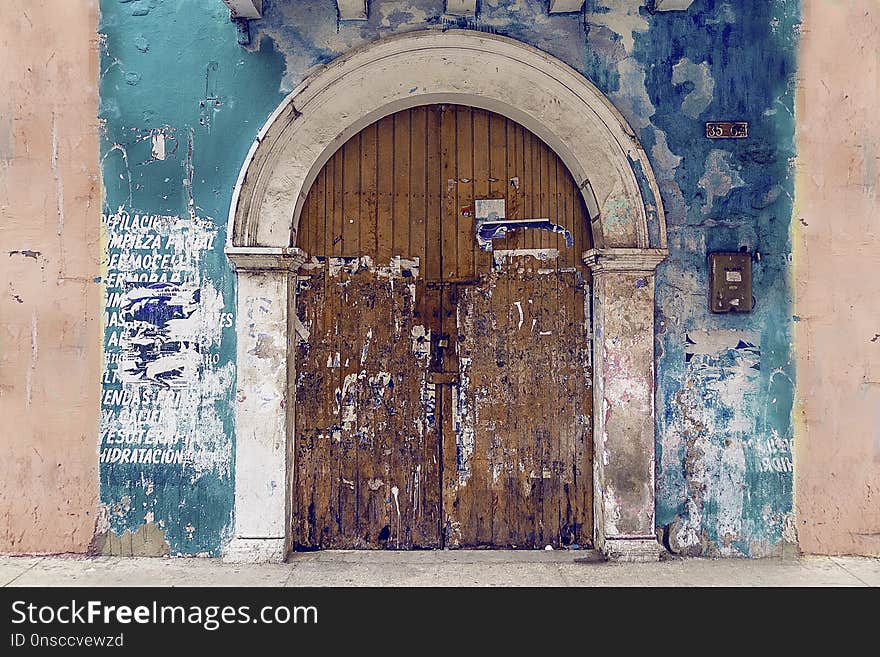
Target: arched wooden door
(442,393)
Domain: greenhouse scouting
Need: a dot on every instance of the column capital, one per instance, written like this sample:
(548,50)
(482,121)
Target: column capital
(624,260)
(266,258)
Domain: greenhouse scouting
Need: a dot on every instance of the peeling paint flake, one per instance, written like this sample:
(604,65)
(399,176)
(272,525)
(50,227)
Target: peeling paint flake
(502,256)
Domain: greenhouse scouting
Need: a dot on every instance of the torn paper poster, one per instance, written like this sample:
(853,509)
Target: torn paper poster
(498,229)
(160,336)
(489,209)
(398,267)
(492,224)
(501,256)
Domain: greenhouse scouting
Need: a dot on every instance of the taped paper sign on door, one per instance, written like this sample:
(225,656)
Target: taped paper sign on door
(491,224)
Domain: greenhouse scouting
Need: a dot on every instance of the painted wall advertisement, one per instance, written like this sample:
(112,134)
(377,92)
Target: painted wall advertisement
(167,372)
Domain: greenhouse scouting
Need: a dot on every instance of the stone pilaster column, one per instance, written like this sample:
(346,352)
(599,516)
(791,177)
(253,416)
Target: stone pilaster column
(263,415)
(623,401)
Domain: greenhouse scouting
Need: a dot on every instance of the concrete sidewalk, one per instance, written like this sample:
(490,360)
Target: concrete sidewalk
(437,568)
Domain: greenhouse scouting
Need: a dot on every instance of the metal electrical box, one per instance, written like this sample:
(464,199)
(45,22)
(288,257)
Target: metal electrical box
(730,282)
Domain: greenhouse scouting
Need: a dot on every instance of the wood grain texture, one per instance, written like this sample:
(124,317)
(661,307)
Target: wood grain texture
(497,452)
(522,419)
(364,440)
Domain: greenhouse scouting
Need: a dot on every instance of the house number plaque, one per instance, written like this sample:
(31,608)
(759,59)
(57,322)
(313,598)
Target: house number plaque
(727,130)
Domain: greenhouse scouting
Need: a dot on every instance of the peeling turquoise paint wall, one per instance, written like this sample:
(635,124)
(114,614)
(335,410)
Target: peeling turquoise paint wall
(180,104)
(724,411)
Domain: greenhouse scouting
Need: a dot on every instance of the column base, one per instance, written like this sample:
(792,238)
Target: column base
(255,550)
(632,549)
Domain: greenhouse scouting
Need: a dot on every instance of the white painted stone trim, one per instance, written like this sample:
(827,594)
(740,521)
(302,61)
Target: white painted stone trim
(636,260)
(255,550)
(623,401)
(565,6)
(266,257)
(461,7)
(586,131)
(352,10)
(431,66)
(631,550)
(263,415)
(249,9)
(672,5)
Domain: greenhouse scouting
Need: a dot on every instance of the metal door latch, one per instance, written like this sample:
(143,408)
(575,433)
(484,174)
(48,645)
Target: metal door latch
(444,378)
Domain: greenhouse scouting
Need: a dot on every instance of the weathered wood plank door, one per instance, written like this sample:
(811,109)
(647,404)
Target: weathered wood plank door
(442,393)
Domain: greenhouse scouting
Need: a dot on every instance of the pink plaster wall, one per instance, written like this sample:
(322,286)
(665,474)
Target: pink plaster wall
(837,260)
(50,337)
(50,334)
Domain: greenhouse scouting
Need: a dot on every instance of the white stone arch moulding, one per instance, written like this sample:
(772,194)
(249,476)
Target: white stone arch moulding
(602,153)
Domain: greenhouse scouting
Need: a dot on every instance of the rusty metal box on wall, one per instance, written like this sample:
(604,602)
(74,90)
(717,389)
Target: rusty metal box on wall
(730,282)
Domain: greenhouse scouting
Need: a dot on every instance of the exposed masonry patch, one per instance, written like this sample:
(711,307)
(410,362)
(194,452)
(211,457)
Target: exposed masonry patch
(700,76)
(720,177)
(147,541)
